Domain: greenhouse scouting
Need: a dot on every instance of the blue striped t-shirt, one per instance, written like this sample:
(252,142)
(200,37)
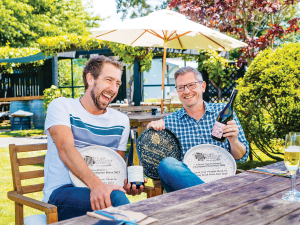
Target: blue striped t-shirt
(110,129)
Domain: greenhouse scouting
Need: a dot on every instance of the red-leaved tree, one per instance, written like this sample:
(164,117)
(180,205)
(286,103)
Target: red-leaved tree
(259,23)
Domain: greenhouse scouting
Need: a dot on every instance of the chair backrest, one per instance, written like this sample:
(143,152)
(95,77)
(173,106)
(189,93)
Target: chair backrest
(18,162)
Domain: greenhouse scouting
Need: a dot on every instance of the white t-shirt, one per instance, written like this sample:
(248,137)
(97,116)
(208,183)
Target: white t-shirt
(110,129)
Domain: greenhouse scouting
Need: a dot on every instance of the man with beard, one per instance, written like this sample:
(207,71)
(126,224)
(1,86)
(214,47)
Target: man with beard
(72,124)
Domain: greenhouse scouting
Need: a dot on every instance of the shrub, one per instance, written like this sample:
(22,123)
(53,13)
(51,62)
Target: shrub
(50,94)
(268,103)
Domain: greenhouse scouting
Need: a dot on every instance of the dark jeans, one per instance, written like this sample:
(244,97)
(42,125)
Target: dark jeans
(75,201)
(175,175)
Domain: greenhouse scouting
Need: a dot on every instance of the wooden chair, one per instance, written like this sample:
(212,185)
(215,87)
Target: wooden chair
(156,190)
(17,194)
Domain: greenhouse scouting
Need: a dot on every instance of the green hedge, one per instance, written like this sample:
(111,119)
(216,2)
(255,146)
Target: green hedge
(268,103)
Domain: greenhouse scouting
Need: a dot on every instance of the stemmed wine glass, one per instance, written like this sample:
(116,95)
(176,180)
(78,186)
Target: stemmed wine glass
(292,161)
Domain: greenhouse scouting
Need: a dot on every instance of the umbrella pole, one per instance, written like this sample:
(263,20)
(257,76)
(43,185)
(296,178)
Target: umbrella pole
(163,78)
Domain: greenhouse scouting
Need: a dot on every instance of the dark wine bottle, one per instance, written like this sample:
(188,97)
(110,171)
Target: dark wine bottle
(225,115)
(135,170)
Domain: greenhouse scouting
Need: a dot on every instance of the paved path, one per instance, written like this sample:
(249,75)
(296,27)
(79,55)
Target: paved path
(4,142)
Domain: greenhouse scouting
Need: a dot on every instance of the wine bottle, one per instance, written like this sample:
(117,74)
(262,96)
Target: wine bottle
(135,170)
(225,115)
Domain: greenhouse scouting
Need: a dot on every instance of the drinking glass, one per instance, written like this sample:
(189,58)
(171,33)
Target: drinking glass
(292,161)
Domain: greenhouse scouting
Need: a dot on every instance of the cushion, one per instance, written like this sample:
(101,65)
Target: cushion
(39,219)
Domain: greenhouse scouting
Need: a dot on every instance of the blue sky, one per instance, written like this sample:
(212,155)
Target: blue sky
(108,8)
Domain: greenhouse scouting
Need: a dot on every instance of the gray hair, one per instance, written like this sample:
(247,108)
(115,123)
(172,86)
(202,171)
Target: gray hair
(184,70)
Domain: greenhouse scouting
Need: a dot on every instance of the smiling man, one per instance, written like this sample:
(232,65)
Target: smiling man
(72,124)
(193,125)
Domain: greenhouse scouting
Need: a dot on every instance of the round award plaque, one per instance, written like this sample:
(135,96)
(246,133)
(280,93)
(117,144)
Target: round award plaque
(154,146)
(107,164)
(210,162)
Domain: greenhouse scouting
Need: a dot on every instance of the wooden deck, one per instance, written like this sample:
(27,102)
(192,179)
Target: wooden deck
(247,198)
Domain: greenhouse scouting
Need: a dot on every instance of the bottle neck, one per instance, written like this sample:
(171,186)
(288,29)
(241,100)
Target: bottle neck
(232,97)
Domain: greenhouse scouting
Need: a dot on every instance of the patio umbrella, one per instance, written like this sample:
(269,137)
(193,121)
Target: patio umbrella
(167,29)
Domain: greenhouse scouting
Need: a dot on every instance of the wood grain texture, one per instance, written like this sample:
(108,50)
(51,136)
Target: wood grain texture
(266,210)
(31,160)
(31,174)
(200,210)
(21,98)
(23,200)
(32,188)
(18,214)
(292,219)
(82,220)
(276,166)
(31,148)
(168,201)
(15,169)
(52,217)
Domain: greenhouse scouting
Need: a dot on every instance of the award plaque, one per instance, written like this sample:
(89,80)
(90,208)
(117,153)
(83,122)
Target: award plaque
(210,162)
(154,146)
(105,163)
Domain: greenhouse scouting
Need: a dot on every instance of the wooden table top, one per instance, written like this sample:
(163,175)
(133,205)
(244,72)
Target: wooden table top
(25,98)
(247,198)
(146,117)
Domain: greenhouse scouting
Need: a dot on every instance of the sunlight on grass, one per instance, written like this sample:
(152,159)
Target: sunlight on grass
(22,133)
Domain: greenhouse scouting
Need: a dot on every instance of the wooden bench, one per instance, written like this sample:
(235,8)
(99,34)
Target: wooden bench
(17,195)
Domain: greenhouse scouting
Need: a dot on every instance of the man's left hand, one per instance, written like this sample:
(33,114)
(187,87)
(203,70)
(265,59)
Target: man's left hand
(231,131)
(133,191)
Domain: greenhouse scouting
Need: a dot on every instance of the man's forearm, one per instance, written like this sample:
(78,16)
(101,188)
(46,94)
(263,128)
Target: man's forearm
(238,149)
(76,164)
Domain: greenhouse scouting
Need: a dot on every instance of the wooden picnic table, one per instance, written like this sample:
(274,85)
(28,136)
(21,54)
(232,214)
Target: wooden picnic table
(141,120)
(246,198)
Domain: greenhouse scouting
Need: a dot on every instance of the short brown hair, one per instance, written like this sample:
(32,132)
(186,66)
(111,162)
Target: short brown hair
(94,66)
(184,70)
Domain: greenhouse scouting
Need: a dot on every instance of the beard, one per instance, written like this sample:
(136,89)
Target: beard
(96,98)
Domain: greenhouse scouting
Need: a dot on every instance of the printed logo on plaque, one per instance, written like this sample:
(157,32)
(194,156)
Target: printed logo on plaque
(107,164)
(154,146)
(210,162)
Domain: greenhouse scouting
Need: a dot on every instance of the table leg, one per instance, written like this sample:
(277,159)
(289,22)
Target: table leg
(140,129)
(29,123)
(21,123)
(142,126)
(12,124)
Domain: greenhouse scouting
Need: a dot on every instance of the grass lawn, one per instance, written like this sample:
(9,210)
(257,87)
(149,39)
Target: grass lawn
(7,206)
(22,133)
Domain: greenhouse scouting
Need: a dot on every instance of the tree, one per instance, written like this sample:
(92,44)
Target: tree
(138,8)
(23,22)
(259,23)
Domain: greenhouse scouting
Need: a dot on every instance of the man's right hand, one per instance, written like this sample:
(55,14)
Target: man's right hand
(100,195)
(157,125)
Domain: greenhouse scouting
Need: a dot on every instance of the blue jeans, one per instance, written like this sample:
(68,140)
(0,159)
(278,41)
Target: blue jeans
(75,201)
(175,175)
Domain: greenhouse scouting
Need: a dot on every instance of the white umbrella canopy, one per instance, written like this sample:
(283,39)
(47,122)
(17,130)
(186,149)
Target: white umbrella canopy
(167,29)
